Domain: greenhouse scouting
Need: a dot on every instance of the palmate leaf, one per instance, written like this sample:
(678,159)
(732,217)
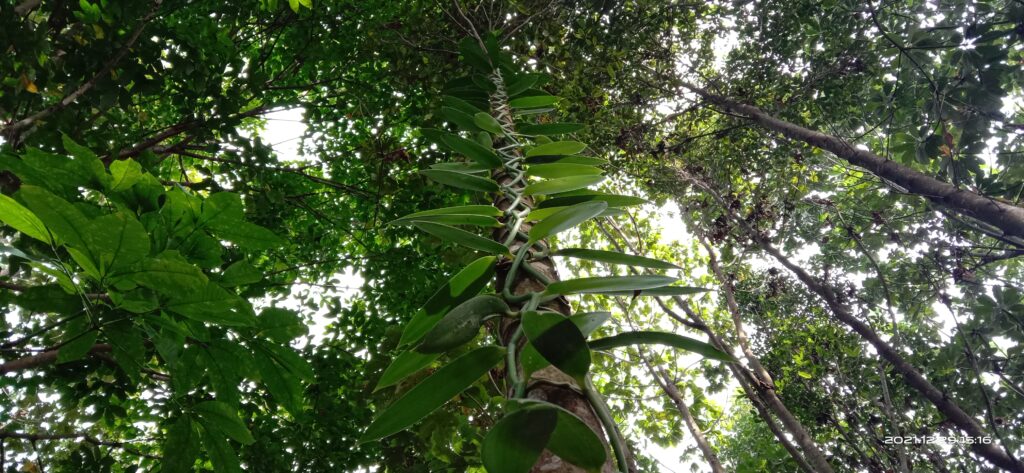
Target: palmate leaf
(557,148)
(473,150)
(559,341)
(548,129)
(462,237)
(433,392)
(565,219)
(461,181)
(615,257)
(608,284)
(563,184)
(461,287)
(557,170)
(661,338)
(461,324)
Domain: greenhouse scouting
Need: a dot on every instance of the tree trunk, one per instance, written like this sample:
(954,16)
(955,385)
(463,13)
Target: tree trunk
(844,313)
(662,378)
(1006,217)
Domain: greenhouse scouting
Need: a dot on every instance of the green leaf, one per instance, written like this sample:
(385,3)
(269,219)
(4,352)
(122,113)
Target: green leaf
(281,325)
(461,105)
(559,341)
(240,273)
(462,237)
(557,170)
(216,416)
(520,83)
(125,173)
(615,257)
(222,455)
(281,383)
(541,214)
(666,291)
(463,167)
(461,119)
(661,338)
(461,324)
(461,211)
(587,160)
(168,273)
(461,287)
(588,322)
(23,220)
(548,129)
(183,440)
(247,235)
(517,440)
(564,184)
(575,442)
(565,219)
(535,101)
(434,391)
(213,304)
(64,221)
(403,366)
(487,123)
(608,284)
(589,196)
(79,337)
(461,181)
(116,241)
(452,219)
(129,350)
(474,55)
(557,148)
(473,150)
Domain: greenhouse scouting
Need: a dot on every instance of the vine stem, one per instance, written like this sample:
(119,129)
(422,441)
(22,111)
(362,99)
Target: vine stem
(605,416)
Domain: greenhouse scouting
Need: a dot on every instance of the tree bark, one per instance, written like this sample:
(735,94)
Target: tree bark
(665,381)
(1006,217)
(844,313)
(45,358)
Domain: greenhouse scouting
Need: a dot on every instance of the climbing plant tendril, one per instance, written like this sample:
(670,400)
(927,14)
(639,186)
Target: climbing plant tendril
(503,162)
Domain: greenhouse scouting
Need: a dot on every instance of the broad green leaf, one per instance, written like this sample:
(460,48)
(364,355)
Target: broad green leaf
(461,324)
(217,416)
(461,105)
(564,184)
(586,160)
(183,440)
(662,291)
(462,237)
(556,170)
(517,440)
(248,235)
(403,366)
(608,284)
(211,303)
(222,455)
(124,174)
(557,148)
(549,128)
(168,273)
(520,83)
(281,325)
(434,391)
(283,385)
(541,214)
(473,150)
(22,219)
(611,199)
(587,322)
(461,181)
(535,101)
(559,341)
(465,284)
(485,210)
(575,442)
(240,273)
(79,337)
(116,241)
(463,167)
(129,350)
(474,55)
(615,257)
(661,338)
(487,123)
(64,221)
(452,219)
(461,119)
(565,219)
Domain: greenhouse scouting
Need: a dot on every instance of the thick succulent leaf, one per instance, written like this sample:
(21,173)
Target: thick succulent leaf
(588,196)
(575,442)
(461,119)
(517,440)
(404,365)
(665,291)
(541,214)
(549,128)
(563,184)
(615,257)
(487,123)
(608,284)
(474,55)
(461,105)
(462,237)
(434,391)
(661,338)
(587,322)
(565,219)
(587,160)
(461,287)
(463,167)
(488,210)
(452,219)
(556,170)
(473,150)
(461,324)
(461,181)
(557,148)
(559,341)
(534,101)
(520,83)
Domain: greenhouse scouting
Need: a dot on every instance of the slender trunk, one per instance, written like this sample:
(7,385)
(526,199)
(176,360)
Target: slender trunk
(548,384)
(844,313)
(1006,217)
(45,358)
(662,378)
